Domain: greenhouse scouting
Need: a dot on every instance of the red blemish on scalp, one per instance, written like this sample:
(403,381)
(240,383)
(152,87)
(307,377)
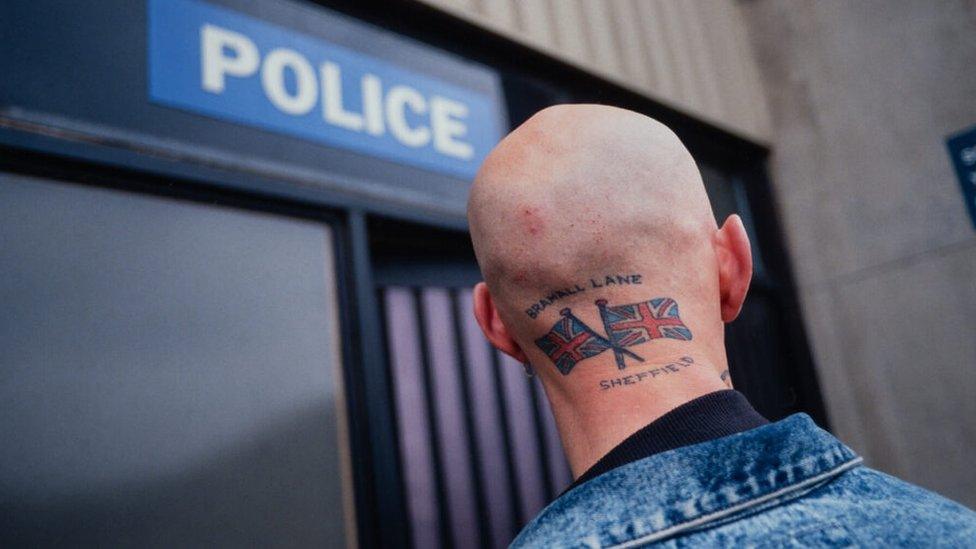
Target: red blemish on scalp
(531,220)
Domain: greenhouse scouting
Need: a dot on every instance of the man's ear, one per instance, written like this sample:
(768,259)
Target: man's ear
(734,266)
(491,324)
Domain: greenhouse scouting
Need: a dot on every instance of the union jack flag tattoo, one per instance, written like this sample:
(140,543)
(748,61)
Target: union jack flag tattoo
(571,341)
(636,323)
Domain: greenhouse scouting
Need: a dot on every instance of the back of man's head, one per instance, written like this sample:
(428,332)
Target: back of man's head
(589,190)
(587,203)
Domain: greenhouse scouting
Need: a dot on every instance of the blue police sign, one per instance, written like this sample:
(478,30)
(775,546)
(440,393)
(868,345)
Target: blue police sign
(217,62)
(962,150)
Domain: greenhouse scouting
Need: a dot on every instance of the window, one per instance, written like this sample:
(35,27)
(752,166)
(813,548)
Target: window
(169,374)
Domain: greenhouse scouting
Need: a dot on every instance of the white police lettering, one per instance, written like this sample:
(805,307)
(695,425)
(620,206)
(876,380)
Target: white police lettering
(273,81)
(214,65)
(397,100)
(411,118)
(332,100)
(444,115)
(373,104)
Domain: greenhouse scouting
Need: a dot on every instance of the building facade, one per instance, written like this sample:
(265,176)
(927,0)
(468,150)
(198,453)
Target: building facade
(863,97)
(236,269)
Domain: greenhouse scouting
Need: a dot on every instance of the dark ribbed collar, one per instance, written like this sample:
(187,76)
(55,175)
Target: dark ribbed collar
(707,417)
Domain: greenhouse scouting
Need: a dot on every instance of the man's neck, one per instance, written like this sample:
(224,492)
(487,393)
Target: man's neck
(600,405)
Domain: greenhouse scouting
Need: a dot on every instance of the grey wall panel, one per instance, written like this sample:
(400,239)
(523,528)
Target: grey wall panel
(863,96)
(169,373)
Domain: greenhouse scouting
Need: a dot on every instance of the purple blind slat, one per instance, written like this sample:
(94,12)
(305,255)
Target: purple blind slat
(415,441)
(450,439)
(489,434)
(455,456)
(525,443)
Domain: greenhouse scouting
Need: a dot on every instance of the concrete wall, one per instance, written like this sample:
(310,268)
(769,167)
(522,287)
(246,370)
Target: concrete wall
(862,96)
(691,55)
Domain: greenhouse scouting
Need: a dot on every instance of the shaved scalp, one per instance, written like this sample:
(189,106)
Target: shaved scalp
(580,191)
(605,271)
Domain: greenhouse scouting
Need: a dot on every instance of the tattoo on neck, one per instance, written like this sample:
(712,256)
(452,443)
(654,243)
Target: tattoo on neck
(571,341)
(606,281)
(664,370)
(727,378)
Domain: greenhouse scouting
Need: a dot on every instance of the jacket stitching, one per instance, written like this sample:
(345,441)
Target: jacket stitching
(704,519)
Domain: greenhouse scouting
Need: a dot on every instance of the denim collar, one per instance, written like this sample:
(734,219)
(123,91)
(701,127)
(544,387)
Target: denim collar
(674,492)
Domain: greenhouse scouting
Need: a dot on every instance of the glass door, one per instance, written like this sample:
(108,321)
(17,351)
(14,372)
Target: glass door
(169,374)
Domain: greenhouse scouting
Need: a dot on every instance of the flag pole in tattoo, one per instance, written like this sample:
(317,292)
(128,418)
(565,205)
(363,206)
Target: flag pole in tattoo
(616,348)
(570,341)
(621,362)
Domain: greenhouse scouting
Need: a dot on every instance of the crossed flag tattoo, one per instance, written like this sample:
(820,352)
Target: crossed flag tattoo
(571,341)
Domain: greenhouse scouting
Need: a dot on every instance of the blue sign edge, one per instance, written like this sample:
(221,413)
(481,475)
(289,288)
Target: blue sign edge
(969,197)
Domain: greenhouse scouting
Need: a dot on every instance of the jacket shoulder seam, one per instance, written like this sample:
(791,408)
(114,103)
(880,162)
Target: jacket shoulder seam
(732,509)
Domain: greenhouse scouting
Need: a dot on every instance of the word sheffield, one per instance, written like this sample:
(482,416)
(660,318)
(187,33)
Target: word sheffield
(413,119)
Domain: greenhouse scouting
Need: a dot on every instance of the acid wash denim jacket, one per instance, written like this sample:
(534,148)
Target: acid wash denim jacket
(786,484)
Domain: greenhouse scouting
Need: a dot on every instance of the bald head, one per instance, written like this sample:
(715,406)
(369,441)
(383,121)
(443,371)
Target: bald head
(583,190)
(580,215)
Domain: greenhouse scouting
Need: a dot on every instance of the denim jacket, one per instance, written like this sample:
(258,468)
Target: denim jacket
(786,484)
